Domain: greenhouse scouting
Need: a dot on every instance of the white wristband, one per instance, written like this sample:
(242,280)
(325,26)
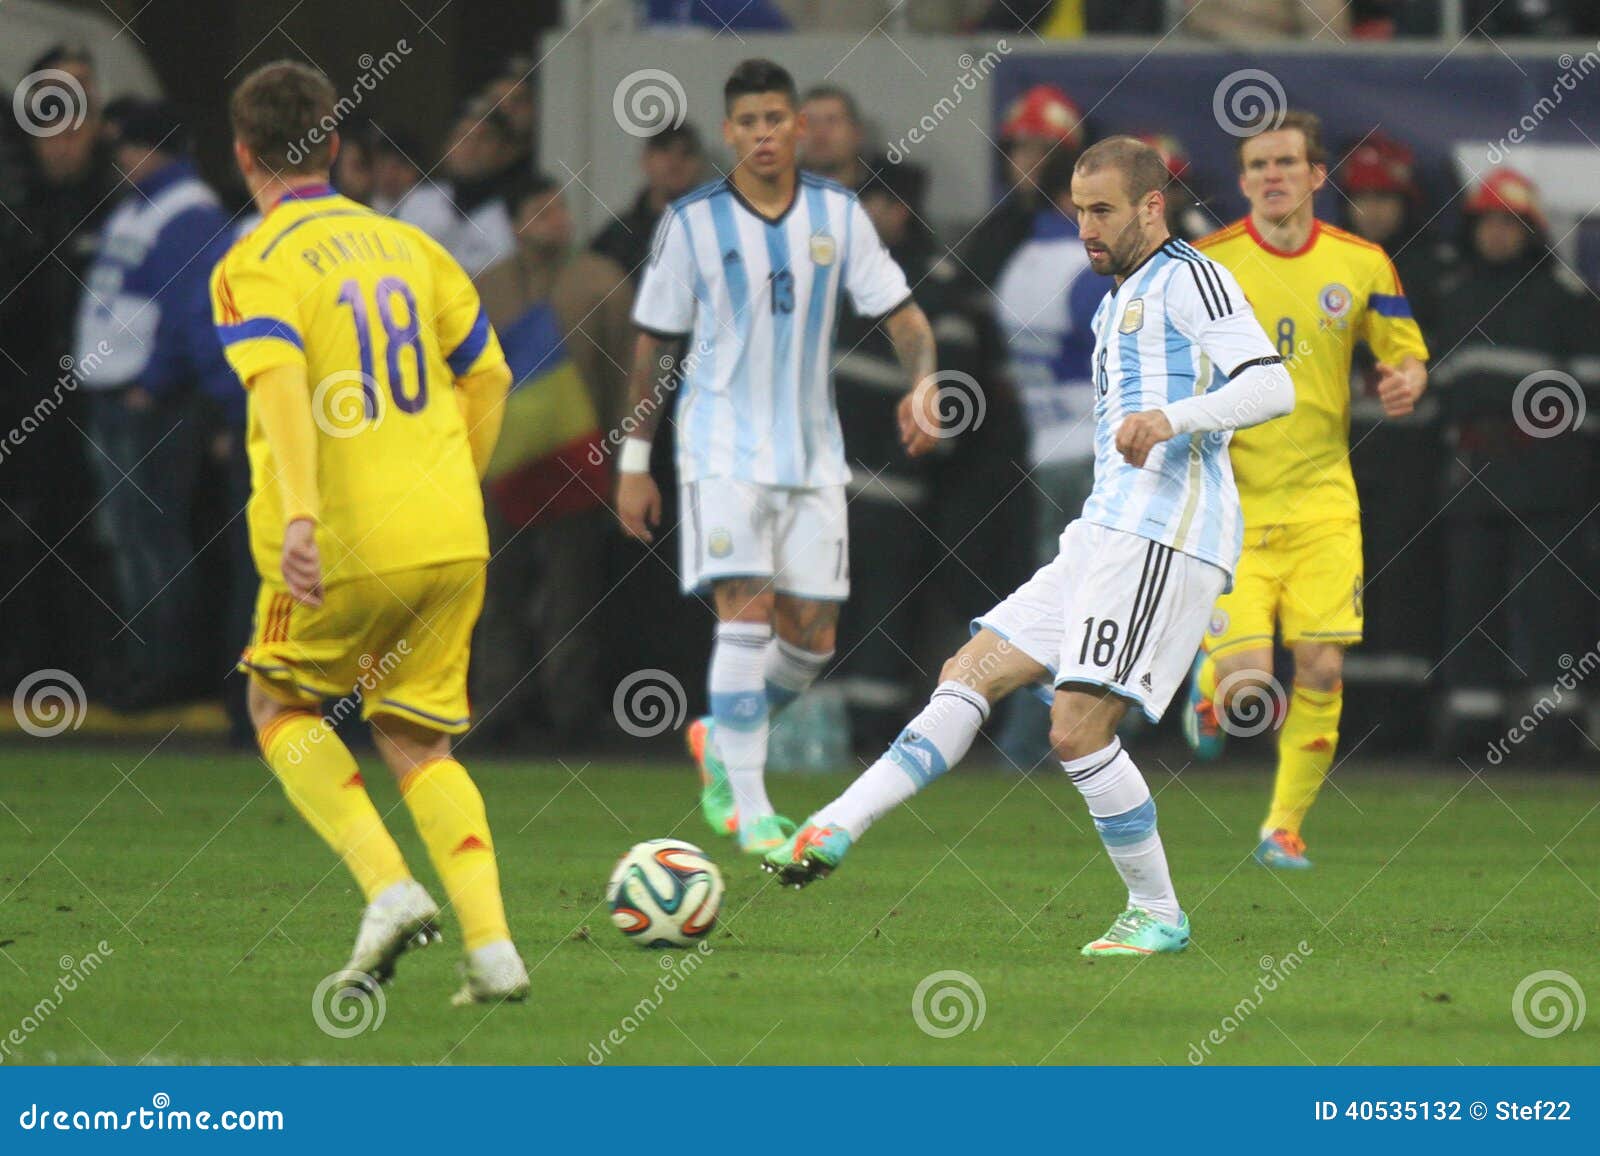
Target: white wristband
(635,456)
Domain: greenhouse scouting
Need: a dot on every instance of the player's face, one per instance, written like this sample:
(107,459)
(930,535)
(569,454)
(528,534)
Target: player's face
(1116,232)
(831,138)
(545,224)
(761,128)
(1377,216)
(1277,178)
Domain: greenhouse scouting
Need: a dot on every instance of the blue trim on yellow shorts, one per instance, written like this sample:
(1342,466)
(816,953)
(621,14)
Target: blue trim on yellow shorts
(451,725)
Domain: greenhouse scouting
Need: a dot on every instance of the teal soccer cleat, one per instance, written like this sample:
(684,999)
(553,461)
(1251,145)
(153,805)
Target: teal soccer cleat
(1283,850)
(811,854)
(716,796)
(1202,725)
(1137,932)
(767,833)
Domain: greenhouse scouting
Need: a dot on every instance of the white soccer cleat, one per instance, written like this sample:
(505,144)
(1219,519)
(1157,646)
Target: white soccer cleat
(494,973)
(402,917)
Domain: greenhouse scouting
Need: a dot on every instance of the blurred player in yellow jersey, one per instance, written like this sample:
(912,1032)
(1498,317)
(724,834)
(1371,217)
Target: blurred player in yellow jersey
(376,389)
(1316,290)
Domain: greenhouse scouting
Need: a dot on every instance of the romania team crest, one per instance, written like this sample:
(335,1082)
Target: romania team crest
(1219,623)
(1335,300)
(823,248)
(719,543)
(1132,316)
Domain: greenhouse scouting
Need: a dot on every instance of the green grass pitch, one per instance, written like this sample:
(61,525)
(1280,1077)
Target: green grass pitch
(1435,894)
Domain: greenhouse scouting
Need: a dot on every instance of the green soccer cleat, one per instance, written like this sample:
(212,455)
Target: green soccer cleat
(1137,932)
(767,833)
(810,855)
(716,796)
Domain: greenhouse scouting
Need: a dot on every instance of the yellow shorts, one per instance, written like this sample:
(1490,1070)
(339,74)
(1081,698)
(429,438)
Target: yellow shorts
(403,638)
(1304,577)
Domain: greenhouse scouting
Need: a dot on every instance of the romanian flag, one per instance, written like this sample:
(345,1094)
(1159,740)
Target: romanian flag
(550,460)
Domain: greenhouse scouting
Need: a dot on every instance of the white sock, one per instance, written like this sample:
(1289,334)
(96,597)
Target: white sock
(1125,815)
(790,672)
(739,706)
(932,743)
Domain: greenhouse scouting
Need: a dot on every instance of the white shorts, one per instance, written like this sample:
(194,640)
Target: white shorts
(798,538)
(1113,610)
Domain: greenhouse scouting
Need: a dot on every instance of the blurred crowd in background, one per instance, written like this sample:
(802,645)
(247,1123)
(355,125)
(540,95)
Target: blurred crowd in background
(122,546)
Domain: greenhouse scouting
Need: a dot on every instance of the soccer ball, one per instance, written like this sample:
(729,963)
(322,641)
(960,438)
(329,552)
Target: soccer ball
(664,893)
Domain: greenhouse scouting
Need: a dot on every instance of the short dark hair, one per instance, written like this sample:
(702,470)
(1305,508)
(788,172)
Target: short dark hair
(756,76)
(280,111)
(1308,124)
(59,55)
(1054,176)
(530,186)
(1143,171)
(834,92)
(683,135)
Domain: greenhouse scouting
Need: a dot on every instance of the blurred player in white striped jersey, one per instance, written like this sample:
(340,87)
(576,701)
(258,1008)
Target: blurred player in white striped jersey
(1179,361)
(750,269)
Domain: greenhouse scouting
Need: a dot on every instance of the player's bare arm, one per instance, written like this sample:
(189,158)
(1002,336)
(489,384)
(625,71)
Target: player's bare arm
(482,396)
(1399,386)
(638,500)
(912,335)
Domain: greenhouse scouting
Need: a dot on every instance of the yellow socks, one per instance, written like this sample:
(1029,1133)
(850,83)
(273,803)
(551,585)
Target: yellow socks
(1306,746)
(320,777)
(1205,680)
(450,817)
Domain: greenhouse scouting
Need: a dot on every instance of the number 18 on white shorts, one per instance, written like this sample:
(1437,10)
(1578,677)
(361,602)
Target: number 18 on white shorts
(797,538)
(1112,609)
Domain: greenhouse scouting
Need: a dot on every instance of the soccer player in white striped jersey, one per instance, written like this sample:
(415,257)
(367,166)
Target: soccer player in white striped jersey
(1179,361)
(750,269)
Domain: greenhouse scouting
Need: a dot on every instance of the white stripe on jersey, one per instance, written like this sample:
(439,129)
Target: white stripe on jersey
(759,299)
(1149,334)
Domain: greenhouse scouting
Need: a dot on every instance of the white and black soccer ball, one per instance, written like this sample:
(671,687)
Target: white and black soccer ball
(665,893)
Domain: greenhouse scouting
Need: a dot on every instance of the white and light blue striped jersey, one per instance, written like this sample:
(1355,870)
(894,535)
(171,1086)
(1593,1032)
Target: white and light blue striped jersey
(1178,326)
(758,298)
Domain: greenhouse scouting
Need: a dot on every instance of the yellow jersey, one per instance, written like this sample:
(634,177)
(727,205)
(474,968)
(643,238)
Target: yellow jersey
(1315,304)
(384,321)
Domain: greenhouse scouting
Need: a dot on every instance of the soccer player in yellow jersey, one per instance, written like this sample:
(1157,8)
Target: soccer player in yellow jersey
(1316,290)
(376,389)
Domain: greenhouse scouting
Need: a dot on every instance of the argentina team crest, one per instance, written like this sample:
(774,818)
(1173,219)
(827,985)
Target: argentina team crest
(1132,317)
(823,249)
(719,543)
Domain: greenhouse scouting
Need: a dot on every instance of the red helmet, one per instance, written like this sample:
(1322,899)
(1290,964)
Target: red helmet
(1380,164)
(1044,111)
(1504,190)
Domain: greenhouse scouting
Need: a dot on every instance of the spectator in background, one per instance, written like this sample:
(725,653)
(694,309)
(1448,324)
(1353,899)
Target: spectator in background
(673,163)
(1045,304)
(1510,313)
(1071,19)
(1187,217)
(62,184)
(481,164)
(1382,198)
(402,190)
(1253,21)
(1040,123)
(511,94)
(145,317)
(831,144)
(562,317)
(352,167)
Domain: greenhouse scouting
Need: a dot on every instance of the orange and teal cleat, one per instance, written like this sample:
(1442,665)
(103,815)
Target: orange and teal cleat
(1284,850)
(812,854)
(716,796)
(1137,932)
(1202,726)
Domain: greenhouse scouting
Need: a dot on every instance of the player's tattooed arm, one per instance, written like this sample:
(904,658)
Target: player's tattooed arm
(918,417)
(638,500)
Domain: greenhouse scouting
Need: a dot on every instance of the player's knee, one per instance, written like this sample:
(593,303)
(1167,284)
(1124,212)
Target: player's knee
(1075,734)
(1319,666)
(994,684)
(742,600)
(1242,672)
